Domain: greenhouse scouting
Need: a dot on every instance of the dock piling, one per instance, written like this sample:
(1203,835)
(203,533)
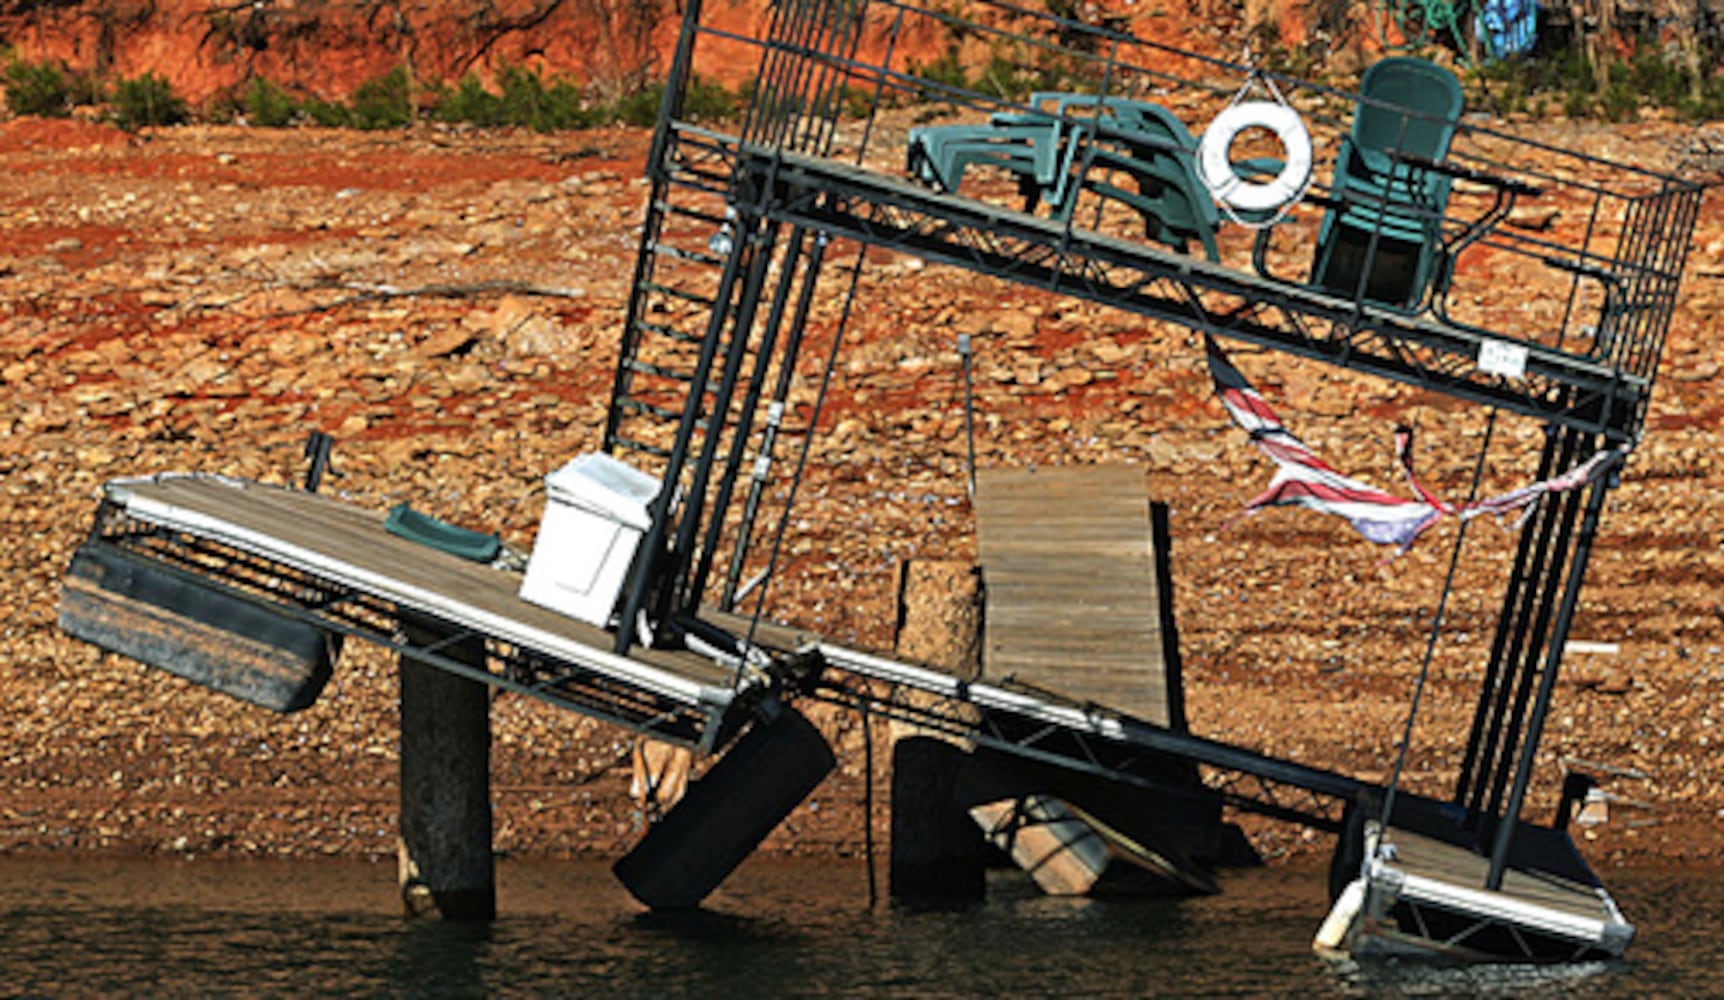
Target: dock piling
(936,850)
(446,865)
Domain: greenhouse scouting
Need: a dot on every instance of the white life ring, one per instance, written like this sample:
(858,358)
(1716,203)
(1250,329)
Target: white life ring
(1224,182)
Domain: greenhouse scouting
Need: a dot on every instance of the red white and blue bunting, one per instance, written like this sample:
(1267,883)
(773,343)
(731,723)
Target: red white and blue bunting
(1304,480)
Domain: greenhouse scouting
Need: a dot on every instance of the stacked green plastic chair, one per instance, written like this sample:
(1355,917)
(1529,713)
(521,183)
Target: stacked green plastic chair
(1147,144)
(1384,236)
(1070,143)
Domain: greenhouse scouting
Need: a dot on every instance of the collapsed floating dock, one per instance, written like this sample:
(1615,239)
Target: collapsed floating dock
(310,558)
(734,252)
(330,566)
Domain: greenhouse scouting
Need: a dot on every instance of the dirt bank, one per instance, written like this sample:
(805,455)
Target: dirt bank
(202,298)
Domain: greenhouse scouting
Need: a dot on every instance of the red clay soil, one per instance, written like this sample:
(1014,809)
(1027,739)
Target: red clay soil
(201,298)
(327,49)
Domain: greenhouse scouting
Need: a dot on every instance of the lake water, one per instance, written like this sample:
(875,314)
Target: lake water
(177,928)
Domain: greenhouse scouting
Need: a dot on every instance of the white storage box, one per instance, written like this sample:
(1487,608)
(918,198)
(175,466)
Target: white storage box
(595,513)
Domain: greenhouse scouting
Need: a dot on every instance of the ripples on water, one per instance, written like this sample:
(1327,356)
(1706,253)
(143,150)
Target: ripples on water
(775,929)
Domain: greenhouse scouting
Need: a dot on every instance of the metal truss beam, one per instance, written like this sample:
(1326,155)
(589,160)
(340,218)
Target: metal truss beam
(1082,739)
(872,208)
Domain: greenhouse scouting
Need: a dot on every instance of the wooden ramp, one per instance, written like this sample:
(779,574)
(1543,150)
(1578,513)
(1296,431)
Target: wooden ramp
(1078,593)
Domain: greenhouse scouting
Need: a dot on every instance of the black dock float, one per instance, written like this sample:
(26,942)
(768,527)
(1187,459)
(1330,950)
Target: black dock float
(226,640)
(727,813)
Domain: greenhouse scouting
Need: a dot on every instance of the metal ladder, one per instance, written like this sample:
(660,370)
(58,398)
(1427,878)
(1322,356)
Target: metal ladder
(697,355)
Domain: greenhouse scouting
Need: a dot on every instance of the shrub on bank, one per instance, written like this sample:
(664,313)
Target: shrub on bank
(148,100)
(527,102)
(1564,79)
(329,114)
(471,103)
(49,90)
(383,102)
(267,105)
(1558,79)
(37,89)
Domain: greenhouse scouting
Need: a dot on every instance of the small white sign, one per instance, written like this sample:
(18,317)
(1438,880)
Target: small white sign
(1498,357)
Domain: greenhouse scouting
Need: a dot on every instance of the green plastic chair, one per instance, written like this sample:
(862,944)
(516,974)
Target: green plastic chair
(1146,143)
(1071,143)
(1032,149)
(1383,238)
(1143,142)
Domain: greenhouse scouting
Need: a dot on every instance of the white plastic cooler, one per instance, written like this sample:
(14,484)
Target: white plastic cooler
(596,510)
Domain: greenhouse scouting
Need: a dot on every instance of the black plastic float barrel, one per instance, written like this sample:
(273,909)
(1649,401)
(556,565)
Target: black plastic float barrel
(727,813)
(225,639)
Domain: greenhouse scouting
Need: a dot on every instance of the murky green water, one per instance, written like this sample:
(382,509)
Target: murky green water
(172,928)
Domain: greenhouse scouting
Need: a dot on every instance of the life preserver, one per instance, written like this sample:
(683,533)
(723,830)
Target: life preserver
(1224,182)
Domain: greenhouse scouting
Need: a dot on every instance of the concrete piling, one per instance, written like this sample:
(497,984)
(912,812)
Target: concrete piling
(937,851)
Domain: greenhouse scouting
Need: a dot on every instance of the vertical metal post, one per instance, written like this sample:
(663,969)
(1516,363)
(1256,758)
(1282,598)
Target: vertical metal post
(1509,643)
(317,447)
(646,566)
(969,416)
(774,418)
(741,327)
(1504,840)
(669,107)
(1538,642)
(745,416)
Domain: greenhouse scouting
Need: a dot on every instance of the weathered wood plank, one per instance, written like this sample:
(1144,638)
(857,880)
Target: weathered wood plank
(1068,563)
(1431,858)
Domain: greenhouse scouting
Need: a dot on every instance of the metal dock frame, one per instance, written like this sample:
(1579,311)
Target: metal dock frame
(802,165)
(270,542)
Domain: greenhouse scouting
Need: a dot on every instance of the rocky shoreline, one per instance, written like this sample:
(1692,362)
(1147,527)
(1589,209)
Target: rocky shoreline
(445,304)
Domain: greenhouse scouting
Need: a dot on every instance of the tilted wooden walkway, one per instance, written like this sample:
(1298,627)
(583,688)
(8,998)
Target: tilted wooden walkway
(1076,588)
(674,694)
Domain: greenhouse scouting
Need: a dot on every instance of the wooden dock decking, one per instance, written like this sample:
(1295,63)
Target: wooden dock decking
(1427,898)
(1430,858)
(1075,587)
(348,544)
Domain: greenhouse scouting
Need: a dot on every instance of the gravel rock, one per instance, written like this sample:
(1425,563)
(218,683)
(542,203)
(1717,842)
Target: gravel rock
(245,287)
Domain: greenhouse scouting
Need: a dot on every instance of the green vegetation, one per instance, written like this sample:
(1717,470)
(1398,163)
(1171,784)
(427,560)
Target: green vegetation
(1677,72)
(702,101)
(470,102)
(524,99)
(527,102)
(946,70)
(1565,79)
(328,114)
(37,89)
(384,102)
(266,105)
(1014,70)
(147,100)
